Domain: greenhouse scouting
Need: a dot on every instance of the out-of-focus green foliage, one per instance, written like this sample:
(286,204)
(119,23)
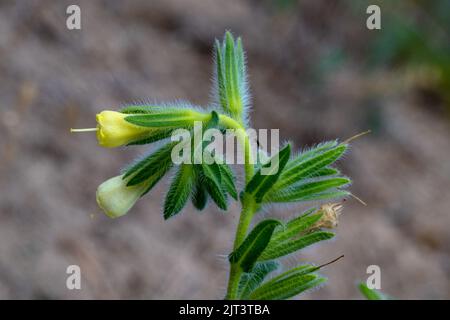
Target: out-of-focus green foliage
(415,37)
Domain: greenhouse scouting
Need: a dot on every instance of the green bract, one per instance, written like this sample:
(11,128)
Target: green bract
(283,177)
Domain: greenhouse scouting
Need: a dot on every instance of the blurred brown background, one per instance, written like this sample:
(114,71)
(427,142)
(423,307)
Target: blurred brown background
(316,72)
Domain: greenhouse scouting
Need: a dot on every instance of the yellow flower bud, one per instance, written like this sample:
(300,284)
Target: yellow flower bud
(115,198)
(113,130)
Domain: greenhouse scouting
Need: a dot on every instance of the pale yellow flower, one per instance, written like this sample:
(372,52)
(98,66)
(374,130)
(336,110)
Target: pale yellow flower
(115,198)
(113,130)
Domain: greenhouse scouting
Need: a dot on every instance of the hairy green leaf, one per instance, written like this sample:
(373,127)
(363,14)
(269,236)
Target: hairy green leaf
(253,245)
(309,166)
(371,294)
(308,190)
(230,83)
(138,109)
(299,270)
(199,193)
(287,287)
(260,184)
(250,281)
(179,191)
(157,164)
(325,172)
(309,153)
(295,226)
(227,178)
(281,249)
(152,137)
(179,118)
(221,87)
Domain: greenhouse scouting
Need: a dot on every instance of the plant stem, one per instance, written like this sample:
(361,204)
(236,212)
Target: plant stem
(248,210)
(244,140)
(248,205)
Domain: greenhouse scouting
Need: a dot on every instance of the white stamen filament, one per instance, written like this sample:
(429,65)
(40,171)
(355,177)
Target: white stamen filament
(83,130)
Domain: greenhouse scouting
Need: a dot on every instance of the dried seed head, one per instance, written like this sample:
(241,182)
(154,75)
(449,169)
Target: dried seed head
(331,213)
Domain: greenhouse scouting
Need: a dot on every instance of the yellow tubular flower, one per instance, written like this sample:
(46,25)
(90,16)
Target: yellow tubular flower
(115,198)
(113,130)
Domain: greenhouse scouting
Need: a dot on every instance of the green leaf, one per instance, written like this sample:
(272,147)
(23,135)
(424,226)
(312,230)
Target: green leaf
(324,172)
(295,226)
(227,177)
(221,88)
(287,287)
(141,109)
(165,118)
(230,77)
(213,173)
(299,270)
(253,245)
(309,165)
(333,194)
(308,190)
(231,72)
(157,164)
(308,154)
(153,137)
(250,281)
(199,193)
(217,194)
(281,249)
(213,184)
(240,61)
(179,191)
(260,184)
(371,294)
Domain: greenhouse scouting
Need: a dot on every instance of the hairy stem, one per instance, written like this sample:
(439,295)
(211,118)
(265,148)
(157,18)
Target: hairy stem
(248,206)
(244,140)
(248,210)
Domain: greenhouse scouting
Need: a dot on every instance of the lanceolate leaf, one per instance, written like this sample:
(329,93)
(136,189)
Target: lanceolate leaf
(287,247)
(307,168)
(231,73)
(179,191)
(287,287)
(306,191)
(153,137)
(217,194)
(299,271)
(326,172)
(253,245)
(250,281)
(231,84)
(228,180)
(260,184)
(141,109)
(332,194)
(165,118)
(295,227)
(158,162)
(307,154)
(371,294)
(221,91)
(199,193)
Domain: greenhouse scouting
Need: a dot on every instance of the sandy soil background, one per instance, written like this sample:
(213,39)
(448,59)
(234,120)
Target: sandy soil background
(306,65)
